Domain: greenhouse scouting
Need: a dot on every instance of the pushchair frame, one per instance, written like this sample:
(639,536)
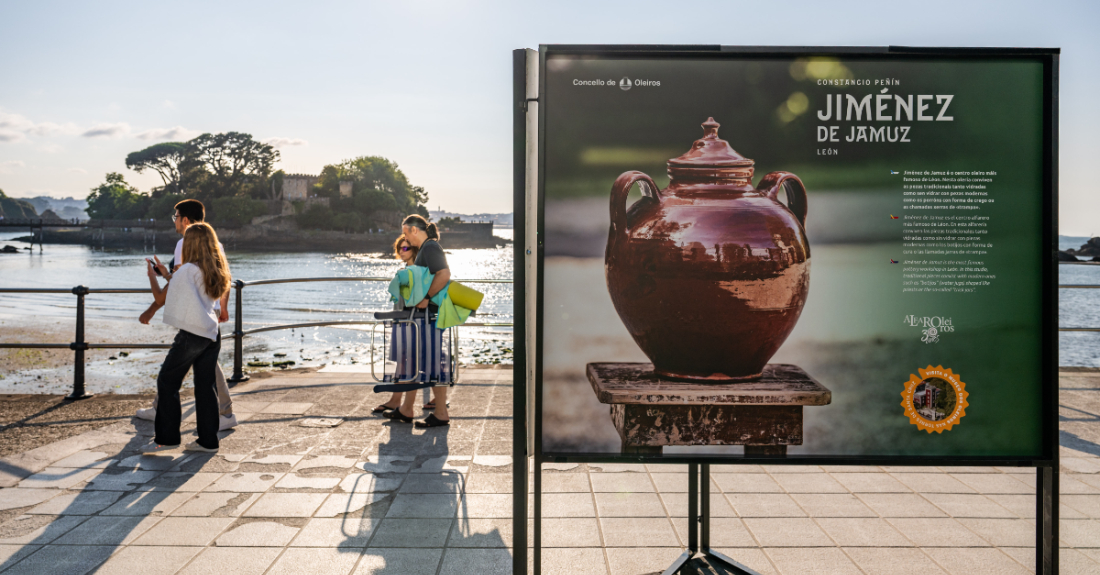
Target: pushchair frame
(409,316)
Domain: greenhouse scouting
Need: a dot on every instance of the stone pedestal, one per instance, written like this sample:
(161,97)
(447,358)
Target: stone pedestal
(649,412)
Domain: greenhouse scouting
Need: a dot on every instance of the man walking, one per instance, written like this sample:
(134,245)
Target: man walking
(192,212)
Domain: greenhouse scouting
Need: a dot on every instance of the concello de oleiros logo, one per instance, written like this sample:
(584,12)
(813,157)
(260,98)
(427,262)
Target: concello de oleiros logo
(935,400)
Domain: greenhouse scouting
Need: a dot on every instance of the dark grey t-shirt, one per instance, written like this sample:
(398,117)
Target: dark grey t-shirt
(431,256)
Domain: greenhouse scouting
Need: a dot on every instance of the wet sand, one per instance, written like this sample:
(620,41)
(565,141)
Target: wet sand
(50,371)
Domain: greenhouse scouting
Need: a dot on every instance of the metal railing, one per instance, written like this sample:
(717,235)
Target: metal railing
(79,346)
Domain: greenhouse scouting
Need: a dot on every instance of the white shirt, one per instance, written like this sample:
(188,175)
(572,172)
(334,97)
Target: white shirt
(178,254)
(178,259)
(188,307)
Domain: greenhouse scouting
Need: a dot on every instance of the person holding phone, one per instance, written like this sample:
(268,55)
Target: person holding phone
(189,212)
(188,300)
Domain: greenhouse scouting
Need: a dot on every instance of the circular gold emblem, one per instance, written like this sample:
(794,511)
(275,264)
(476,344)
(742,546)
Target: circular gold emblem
(935,400)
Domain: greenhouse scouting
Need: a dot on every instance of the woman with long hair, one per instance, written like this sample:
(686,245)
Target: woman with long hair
(434,363)
(401,335)
(189,306)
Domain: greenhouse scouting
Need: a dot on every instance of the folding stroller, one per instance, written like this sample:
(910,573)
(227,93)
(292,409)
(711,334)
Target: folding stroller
(431,365)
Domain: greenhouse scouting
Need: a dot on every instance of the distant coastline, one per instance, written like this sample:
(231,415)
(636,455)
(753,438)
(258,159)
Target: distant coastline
(272,236)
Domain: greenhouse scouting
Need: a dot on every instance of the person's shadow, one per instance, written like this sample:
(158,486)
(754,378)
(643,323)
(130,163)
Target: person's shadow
(409,468)
(84,526)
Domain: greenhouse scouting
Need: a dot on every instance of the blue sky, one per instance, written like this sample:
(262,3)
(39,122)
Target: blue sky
(428,83)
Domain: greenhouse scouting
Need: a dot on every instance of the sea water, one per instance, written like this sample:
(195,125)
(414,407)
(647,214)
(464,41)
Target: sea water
(66,266)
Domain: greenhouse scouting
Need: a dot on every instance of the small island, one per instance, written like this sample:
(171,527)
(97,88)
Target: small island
(355,205)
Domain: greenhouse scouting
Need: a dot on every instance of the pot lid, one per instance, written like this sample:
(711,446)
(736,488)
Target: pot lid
(710,151)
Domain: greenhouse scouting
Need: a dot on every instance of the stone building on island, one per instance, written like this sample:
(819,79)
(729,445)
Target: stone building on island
(296,187)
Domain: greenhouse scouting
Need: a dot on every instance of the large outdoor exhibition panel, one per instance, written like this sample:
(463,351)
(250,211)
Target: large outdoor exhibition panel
(834,254)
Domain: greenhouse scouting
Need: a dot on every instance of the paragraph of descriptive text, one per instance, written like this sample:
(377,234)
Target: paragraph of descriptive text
(945,236)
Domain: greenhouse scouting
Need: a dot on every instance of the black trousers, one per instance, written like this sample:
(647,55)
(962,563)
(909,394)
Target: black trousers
(188,350)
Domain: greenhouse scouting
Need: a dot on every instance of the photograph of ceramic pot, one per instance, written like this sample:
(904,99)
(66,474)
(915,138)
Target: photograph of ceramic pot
(710,274)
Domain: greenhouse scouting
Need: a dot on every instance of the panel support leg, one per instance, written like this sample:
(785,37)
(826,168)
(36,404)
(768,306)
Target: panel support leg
(693,508)
(536,552)
(713,557)
(1046,520)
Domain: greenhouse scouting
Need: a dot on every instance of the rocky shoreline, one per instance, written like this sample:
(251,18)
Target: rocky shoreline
(1089,251)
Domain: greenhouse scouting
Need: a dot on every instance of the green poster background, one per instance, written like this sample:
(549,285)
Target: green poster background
(852,336)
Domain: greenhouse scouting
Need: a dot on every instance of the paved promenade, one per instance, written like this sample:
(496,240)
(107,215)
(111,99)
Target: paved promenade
(310,482)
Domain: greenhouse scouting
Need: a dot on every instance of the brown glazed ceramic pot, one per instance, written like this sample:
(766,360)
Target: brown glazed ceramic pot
(710,274)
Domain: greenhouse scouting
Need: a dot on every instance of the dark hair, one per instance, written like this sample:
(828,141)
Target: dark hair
(397,246)
(192,210)
(418,221)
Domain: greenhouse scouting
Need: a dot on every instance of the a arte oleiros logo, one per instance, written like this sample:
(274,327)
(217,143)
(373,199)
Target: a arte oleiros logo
(935,400)
(931,327)
(625,83)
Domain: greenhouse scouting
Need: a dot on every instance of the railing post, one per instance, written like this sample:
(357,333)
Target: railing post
(79,346)
(238,338)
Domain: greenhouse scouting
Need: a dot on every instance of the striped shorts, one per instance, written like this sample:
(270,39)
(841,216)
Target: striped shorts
(435,362)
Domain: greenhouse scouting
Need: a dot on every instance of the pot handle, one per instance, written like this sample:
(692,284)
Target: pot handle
(770,185)
(619,192)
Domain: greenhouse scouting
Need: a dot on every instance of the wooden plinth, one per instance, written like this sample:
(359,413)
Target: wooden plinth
(650,412)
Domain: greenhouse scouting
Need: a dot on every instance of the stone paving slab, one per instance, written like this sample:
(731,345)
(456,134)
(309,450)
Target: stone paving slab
(114,530)
(15,468)
(424,561)
(240,560)
(16,497)
(314,561)
(58,478)
(119,479)
(77,503)
(270,533)
(148,560)
(216,504)
(346,532)
(373,496)
(37,529)
(74,560)
(85,459)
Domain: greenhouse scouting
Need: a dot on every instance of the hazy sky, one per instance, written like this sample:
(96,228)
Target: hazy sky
(426,84)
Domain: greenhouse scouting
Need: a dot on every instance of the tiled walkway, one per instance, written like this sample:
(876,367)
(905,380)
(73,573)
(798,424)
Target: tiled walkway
(288,495)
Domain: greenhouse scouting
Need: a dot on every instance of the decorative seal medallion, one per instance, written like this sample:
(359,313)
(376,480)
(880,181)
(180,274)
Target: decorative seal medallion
(935,400)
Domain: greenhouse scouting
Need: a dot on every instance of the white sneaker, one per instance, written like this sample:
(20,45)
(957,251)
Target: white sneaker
(227,422)
(194,446)
(155,449)
(147,413)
